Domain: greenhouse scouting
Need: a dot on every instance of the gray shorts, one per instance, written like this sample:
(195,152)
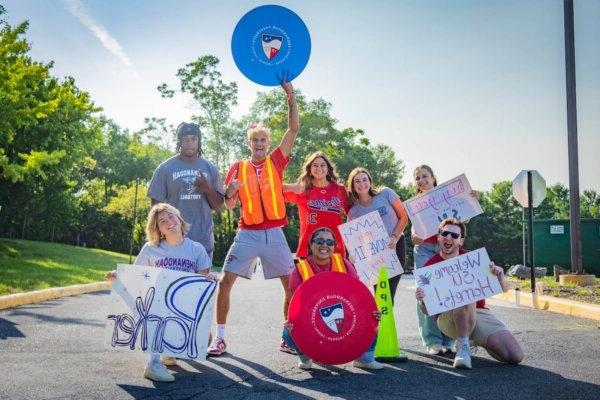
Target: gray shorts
(486,324)
(268,244)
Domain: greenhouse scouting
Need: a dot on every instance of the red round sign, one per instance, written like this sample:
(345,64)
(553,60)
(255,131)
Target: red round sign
(332,317)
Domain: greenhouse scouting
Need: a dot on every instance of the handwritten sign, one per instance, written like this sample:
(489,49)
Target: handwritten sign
(158,310)
(451,199)
(367,241)
(457,281)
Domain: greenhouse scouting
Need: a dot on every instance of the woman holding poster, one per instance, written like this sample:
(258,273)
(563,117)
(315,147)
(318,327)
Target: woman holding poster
(424,248)
(365,199)
(321,200)
(167,247)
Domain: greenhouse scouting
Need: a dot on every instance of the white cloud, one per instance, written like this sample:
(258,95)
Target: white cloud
(111,44)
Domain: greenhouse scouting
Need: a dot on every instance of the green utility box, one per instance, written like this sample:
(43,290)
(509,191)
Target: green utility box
(552,244)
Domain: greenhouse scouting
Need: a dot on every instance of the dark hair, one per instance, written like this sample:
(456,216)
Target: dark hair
(314,235)
(454,221)
(186,128)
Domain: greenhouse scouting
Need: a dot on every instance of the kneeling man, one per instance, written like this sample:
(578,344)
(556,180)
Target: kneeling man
(474,322)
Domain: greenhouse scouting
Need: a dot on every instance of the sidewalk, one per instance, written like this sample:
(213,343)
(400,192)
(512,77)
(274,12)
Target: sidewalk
(37,296)
(554,304)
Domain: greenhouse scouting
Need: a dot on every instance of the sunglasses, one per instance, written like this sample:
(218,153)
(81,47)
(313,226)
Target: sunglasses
(454,235)
(321,241)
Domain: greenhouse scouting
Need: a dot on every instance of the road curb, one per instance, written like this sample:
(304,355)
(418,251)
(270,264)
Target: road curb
(19,299)
(553,304)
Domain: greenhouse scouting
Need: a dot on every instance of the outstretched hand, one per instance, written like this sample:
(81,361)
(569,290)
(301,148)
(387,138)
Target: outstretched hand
(377,314)
(496,270)
(416,239)
(419,294)
(288,325)
(285,79)
(202,183)
(233,187)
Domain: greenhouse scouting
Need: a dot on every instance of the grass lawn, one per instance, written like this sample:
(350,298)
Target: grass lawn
(587,294)
(27,265)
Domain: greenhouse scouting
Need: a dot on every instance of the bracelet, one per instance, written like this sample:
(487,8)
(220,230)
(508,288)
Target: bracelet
(394,235)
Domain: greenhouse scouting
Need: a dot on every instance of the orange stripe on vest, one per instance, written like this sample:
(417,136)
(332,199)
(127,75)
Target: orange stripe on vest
(261,197)
(306,271)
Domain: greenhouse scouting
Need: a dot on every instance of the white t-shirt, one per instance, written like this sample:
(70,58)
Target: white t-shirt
(189,256)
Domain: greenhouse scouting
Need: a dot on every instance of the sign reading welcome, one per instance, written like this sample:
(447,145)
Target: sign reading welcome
(457,281)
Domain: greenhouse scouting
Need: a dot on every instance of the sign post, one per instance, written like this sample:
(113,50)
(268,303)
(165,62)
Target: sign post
(529,188)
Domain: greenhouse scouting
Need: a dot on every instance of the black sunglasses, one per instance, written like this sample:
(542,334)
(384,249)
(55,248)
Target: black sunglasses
(328,242)
(453,234)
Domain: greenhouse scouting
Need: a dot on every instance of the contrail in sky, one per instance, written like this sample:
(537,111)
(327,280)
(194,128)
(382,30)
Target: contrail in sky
(111,44)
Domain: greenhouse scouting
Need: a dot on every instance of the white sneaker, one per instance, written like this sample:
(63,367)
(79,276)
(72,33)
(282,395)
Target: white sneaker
(169,361)
(449,349)
(158,373)
(462,359)
(369,365)
(305,365)
(435,349)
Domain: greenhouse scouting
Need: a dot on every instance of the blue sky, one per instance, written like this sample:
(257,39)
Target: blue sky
(483,78)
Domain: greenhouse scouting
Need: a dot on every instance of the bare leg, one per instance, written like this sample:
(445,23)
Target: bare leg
(285,280)
(225,285)
(504,347)
(464,319)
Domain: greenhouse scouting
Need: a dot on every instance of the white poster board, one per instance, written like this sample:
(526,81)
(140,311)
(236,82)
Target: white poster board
(457,281)
(451,199)
(367,241)
(157,310)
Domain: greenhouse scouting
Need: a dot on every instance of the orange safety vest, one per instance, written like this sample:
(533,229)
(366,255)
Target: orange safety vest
(306,271)
(261,197)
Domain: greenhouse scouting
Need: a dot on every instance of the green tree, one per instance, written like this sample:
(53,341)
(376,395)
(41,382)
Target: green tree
(214,98)
(590,204)
(47,132)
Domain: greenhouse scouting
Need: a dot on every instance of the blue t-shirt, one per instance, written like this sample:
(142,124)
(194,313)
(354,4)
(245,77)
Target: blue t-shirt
(173,183)
(382,202)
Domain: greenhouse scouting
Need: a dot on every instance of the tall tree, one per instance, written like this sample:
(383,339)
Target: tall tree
(47,132)
(214,99)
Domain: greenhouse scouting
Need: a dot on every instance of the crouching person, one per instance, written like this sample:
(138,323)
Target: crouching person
(321,258)
(473,322)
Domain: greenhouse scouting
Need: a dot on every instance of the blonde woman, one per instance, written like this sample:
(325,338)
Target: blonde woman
(167,247)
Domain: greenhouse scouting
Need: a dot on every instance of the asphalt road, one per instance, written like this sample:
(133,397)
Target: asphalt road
(59,350)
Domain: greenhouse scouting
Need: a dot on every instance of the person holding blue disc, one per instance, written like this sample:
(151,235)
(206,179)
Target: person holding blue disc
(257,184)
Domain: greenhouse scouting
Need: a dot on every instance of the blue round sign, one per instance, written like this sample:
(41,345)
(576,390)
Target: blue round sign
(270,43)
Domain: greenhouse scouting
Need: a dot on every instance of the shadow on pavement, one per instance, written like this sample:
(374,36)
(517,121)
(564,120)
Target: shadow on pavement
(56,320)
(8,329)
(235,377)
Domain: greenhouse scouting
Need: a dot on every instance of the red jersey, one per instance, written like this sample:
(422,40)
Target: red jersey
(317,208)
(280,161)
(296,279)
(438,258)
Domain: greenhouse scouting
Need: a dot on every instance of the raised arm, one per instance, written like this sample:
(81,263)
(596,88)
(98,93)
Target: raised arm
(293,120)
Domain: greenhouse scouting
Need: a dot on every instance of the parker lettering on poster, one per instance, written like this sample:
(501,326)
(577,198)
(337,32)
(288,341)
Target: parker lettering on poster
(451,199)
(457,281)
(367,241)
(160,311)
